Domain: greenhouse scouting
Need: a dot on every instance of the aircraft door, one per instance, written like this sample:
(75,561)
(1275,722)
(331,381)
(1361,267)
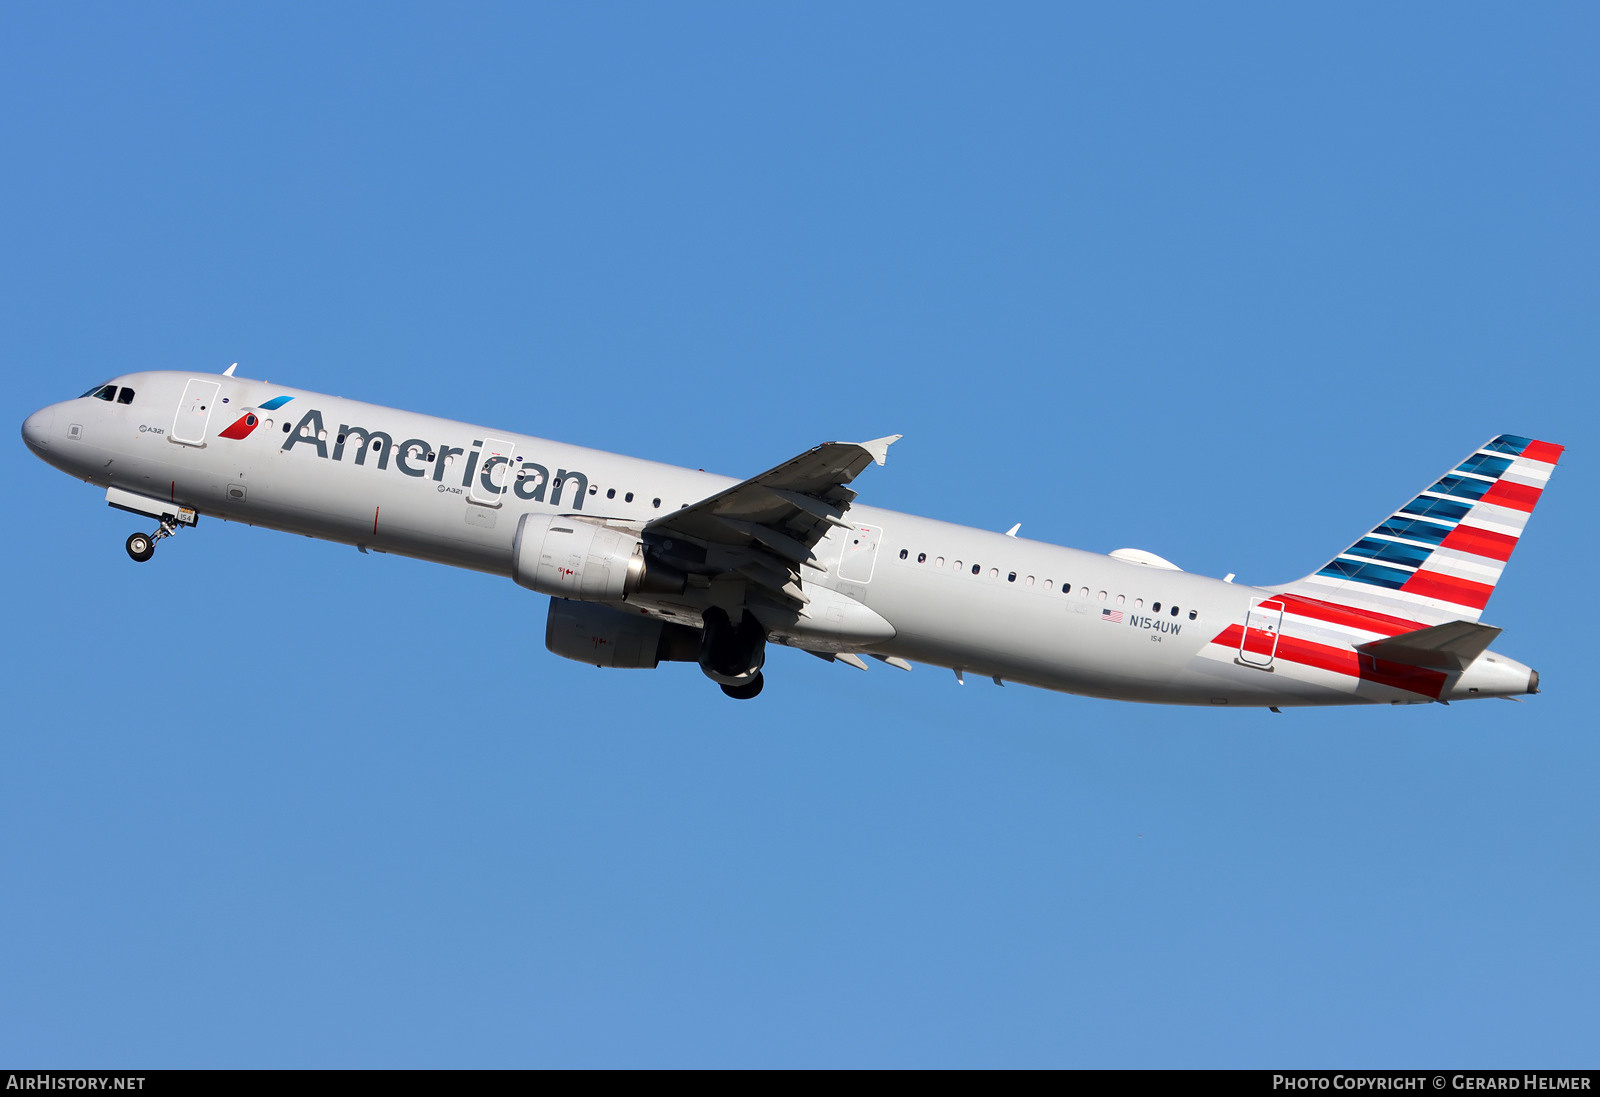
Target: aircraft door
(860,553)
(1262,628)
(194,412)
(495,472)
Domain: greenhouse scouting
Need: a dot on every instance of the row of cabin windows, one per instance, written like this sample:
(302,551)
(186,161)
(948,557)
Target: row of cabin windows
(108,393)
(1049,584)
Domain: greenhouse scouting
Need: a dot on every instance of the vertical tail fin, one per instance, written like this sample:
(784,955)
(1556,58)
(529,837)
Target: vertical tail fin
(1438,558)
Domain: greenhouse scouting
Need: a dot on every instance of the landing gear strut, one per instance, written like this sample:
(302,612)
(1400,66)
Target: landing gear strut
(142,546)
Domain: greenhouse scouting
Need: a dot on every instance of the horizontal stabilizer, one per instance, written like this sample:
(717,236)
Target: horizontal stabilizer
(1451,646)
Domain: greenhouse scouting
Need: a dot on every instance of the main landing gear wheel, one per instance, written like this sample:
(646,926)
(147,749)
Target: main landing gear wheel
(746,690)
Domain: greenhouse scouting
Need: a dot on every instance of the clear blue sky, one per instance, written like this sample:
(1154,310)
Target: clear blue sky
(1222,282)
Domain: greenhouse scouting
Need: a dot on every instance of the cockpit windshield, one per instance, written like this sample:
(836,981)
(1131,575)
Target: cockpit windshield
(109,393)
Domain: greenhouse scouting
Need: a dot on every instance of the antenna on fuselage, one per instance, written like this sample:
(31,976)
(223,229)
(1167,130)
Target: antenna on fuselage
(229,371)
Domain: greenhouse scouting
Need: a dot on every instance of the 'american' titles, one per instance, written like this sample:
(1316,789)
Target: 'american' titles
(528,482)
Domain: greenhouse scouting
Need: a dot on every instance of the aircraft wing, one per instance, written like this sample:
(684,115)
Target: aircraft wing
(772,522)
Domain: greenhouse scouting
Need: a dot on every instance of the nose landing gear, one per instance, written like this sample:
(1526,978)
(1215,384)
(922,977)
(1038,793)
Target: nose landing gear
(142,546)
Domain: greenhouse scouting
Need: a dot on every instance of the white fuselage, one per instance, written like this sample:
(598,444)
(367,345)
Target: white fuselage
(979,602)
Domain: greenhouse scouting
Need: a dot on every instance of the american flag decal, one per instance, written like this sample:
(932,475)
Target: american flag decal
(1111,616)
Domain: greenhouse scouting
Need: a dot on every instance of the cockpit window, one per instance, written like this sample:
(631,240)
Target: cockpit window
(102,392)
(124,396)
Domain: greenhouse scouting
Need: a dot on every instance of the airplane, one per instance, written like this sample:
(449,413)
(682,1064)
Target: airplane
(648,563)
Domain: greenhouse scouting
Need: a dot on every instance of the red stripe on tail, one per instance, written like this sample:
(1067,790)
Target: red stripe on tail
(1364,619)
(1448,588)
(1348,661)
(1516,496)
(1548,452)
(1480,542)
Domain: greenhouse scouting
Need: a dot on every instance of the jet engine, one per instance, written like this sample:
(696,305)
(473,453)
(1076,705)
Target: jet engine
(572,558)
(606,637)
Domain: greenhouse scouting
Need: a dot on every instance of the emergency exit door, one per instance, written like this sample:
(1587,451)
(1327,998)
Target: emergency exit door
(860,553)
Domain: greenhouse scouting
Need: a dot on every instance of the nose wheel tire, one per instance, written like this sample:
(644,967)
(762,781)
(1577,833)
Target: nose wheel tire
(746,690)
(141,546)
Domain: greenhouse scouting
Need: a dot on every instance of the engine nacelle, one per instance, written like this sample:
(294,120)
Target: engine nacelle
(572,558)
(606,637)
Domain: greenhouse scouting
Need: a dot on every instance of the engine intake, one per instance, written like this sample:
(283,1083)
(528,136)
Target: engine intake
(571,558)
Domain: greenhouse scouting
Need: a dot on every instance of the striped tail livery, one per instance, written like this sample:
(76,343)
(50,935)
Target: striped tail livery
(1438,558)
(1400,608)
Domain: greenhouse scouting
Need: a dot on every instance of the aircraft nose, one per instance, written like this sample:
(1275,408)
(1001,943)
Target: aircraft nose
(36,429)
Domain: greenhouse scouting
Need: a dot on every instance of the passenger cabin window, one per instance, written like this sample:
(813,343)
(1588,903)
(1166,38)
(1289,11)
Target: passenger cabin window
(904,554)
(1155,607)
(922,557)
(124,396)
(1193,614)
(628,498)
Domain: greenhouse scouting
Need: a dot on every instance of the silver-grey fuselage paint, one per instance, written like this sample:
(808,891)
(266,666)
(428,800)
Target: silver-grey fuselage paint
(1003,613)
